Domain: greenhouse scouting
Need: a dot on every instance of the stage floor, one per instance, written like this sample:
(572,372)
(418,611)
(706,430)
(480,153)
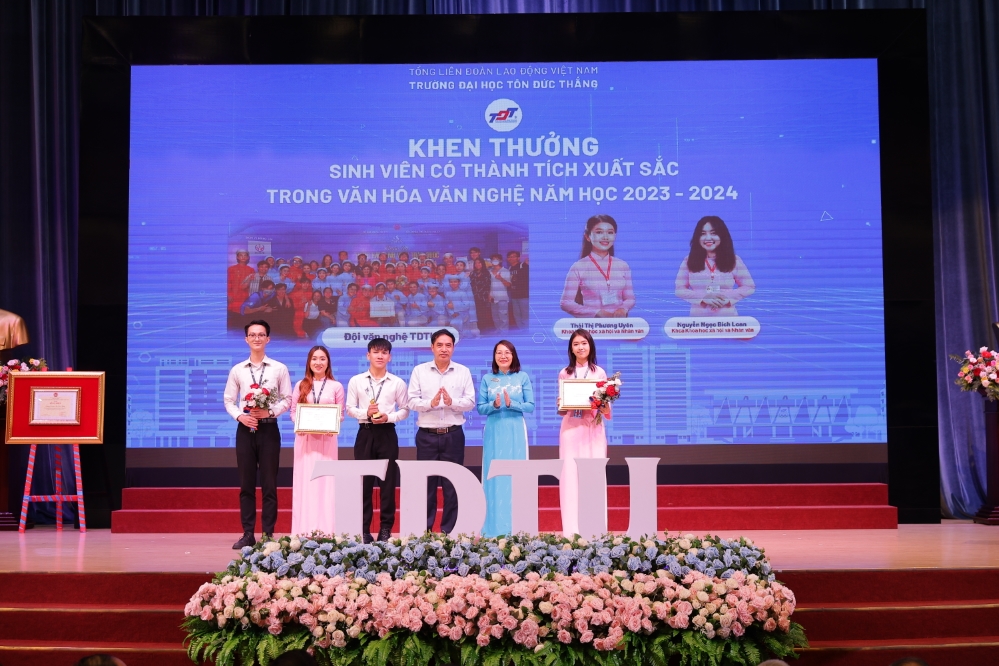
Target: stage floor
(951,545)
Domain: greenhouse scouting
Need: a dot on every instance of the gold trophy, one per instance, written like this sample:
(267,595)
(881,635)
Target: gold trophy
(376,415)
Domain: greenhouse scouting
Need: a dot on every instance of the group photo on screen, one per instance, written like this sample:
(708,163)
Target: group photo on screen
(473,279)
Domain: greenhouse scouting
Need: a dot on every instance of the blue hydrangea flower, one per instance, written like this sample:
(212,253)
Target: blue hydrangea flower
(310,544)
(282,570)
(634,563)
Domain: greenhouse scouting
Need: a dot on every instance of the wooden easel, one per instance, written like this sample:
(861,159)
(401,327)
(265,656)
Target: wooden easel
(58,498)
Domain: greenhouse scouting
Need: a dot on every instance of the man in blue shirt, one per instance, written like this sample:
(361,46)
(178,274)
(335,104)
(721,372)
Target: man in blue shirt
(436,308)
(415,305)
(458,304)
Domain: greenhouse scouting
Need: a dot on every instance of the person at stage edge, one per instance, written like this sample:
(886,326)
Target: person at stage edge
(504,397)
(441,391)
(580,436)
(378,400)
(312,500)
(258,439)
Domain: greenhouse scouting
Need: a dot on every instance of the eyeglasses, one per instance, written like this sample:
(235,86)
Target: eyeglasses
(256,336)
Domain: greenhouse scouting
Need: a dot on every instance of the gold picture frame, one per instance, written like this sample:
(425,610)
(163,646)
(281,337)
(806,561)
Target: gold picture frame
(576,393)
(54,405)
(317,419)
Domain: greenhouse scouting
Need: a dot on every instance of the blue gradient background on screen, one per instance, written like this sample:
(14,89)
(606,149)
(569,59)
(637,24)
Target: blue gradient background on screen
(797,140)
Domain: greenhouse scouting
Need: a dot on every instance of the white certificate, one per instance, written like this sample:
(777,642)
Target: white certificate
(382,309)
(55,406)
(317,419)
(576,393)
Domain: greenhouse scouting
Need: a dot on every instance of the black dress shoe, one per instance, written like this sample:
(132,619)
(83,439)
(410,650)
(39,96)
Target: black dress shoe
(385,535)
(367,538)
(246,540)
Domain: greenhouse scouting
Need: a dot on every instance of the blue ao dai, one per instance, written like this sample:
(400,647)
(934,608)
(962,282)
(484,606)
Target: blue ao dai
(504,438)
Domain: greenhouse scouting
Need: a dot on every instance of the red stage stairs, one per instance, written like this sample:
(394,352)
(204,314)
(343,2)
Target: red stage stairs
(695,508)
(852,618)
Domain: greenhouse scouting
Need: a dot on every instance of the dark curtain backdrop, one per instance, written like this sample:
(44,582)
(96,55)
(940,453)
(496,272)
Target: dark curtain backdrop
(39,102)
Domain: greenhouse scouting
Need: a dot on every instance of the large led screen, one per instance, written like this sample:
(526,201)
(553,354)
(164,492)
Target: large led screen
(715,225)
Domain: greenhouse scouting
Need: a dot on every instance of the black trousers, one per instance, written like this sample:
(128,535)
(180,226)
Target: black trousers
(449,447)
(258,450)
(379,442)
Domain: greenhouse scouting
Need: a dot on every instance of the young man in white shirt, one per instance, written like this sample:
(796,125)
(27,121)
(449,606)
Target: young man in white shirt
(258,439)
(378,400)
(440,392)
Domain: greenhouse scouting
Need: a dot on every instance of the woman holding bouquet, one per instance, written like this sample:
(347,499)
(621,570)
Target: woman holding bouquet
(581,435)
(504,397)
(312,500)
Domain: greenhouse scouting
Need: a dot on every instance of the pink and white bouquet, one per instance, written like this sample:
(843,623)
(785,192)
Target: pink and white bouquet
(607,391)
(979,372)
(260,397)
(15,365)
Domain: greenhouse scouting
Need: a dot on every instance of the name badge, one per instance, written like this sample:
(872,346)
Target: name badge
(608,299)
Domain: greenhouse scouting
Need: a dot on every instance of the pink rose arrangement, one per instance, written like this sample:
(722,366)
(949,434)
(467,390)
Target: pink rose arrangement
(534,613)
(15,365)
(979,372)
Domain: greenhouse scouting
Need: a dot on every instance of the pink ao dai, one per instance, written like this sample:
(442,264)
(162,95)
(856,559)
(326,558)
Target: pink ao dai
(312,506)
(579,437)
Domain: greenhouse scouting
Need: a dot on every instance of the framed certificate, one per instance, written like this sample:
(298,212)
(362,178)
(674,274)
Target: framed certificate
(317,419)
(381,309)
(54,406)
(576,393)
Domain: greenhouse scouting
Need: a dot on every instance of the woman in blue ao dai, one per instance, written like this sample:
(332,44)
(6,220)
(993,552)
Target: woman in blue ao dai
(504,397)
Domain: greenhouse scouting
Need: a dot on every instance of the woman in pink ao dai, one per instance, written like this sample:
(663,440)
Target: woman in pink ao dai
(581,436)
(312,505)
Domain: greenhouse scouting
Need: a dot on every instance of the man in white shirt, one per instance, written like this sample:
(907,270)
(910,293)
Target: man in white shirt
(378,400)
(258,439)
(441,392)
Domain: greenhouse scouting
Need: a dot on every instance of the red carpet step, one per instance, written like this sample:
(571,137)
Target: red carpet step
(686,508)
(872,618)
(852,618)
(57,618)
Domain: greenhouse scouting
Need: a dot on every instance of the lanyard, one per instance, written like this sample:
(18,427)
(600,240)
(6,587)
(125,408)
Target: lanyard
(381,386)
(259,382)
(315,398)
(711,266)
(610,262)
(578,413)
